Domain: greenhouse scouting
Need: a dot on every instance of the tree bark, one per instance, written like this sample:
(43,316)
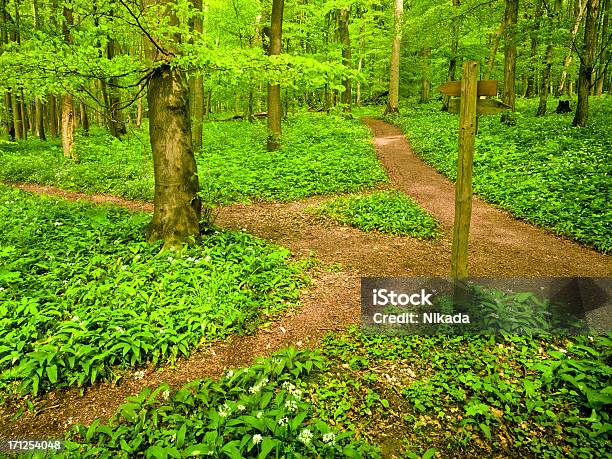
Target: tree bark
(274,95)
(67,100)
(84,118)
(493,53)
(177,206)
(582,6)
(587,63)
(425,83)
(197,89)
(535,43)
(452,62)
(605,42)
(345,39)
(509,96)
(394,72)
(116,122)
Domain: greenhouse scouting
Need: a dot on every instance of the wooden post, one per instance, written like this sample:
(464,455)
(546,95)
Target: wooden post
(463,187)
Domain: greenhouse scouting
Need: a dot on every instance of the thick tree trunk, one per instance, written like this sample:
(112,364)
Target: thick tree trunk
(587,62)
(176,217)
(509,96)
(345,39)
(274,95)
(394,72)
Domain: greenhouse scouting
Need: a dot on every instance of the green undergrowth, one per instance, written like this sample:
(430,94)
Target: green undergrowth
(83,296)
(261,411)
(541,169)
(389,212)
(320,154)
(413,396)
(511,396)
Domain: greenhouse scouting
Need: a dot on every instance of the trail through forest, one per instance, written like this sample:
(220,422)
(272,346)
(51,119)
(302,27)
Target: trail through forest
(499,246)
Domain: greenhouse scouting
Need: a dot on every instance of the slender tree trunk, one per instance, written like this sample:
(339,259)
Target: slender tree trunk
(605,42)
(116,122)
(493,53)
(68,120)
(23,110)
(345,39)
(570,54)
(274,96)
(394,73)
(509,96)
(425,83)
(53,116)
(587,63)
(535,33)
(84,118)
(197,89)
(452,62)
(139,108)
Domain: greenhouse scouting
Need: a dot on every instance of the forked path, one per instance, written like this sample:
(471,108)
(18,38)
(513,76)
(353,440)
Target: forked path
(499,246)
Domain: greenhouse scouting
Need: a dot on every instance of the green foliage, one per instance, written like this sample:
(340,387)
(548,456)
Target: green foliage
(472,396)
(260,411)
(83,295)
(320,155)
(385,211)
(542,170)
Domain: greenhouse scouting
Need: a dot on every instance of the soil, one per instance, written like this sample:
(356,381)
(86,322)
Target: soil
(500,246)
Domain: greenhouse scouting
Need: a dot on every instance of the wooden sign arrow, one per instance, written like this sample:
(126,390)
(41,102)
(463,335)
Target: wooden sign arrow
(485,88)
(483,106)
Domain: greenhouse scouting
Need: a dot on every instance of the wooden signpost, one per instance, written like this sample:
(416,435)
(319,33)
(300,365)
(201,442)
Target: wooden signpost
(468,106)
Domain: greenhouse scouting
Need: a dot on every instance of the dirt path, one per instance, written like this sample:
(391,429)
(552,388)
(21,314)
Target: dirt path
(499,246)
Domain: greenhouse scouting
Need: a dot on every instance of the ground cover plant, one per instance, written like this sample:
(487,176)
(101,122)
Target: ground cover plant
(83,295)
(541,169)
(389,212)
(320,155)
(260,411)
(470,396)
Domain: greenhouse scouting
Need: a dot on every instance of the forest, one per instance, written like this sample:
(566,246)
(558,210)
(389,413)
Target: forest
(195,193)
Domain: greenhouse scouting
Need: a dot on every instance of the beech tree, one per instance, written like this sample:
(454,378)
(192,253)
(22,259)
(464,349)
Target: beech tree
(274,93)
(394,72)
(509,95)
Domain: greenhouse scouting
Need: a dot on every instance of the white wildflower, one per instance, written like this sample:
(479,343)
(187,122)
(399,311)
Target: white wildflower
(58,223)
(259,415)
(283,421)
(166,394)
(207,258)
(225,410)
(229,374)
(76,319)
(123,267)
(305,436)
(297,393)
(139,374)
(120,329)
(288,386)
(172,438)
(291,405)
(329,438)
(241,407)
(276,361)
(257,439)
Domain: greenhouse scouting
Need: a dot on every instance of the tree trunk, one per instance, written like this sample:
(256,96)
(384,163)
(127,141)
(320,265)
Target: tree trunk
(10,126)
(17,120)
(587,62)
(509,96)
(139,108)
(23,110)
(535,33)
(605,42)
(493,53)
(425,83)
(452,62)
(345,39)
(177,206)
(274,95)
(116,122)
(68,127)
(53,115)
(197,89)
(84,118)
(394,72)
(568,58)
(40,120)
